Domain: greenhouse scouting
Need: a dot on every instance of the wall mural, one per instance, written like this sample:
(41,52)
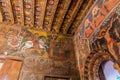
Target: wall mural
(108,38)
(82,49)
(95,16)
(43,53)
(105,36)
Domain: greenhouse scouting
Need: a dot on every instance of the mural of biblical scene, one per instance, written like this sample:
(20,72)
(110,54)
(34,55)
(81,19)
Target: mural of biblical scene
(43,53)
(108,38)
(95,16)
(61,48)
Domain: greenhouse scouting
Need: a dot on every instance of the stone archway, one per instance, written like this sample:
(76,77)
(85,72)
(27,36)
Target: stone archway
(92,64)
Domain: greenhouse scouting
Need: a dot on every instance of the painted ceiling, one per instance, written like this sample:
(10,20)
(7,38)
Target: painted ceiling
(56,16)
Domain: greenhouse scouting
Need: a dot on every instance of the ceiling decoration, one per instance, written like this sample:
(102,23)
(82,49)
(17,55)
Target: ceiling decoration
(29,13)
(95,17)
(72,12)
(0,17)
(49,14)
(17,7)
(60,14)
(40,6)
(86,5)
(6,10)
(56,16)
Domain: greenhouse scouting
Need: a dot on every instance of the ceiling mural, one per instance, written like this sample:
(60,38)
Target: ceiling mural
(17,7)
(95,16)
(56,16)
(105,39)
(0,17)
(72,12)
(40,6)
(60,14)
(29,12)
(49,14)
(86,5)
(6,10)
(108,36)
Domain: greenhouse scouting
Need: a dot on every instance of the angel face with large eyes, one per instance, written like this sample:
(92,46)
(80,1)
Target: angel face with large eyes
(95,11)
(42,43)
(87,23)
(14,38)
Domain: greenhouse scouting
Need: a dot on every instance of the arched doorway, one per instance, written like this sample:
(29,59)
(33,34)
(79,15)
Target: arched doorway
(108,72)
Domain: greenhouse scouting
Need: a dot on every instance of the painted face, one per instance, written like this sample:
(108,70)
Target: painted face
(87,23)
(41,43)
(95,11)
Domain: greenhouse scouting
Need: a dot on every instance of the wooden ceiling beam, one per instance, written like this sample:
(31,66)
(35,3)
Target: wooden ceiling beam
(1,17)
(17,7)
(49,14)
(6,11)
(80,15)
(29,13)
(72,12)
(40,6)
(62,8)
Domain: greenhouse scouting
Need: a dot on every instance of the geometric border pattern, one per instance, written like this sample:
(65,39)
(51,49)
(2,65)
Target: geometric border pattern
(93,63)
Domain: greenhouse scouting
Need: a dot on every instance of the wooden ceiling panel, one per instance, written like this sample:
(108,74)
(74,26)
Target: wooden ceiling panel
(80,15)
(1,19)
(6,11)
(17,7)
(75,5)
(40,6)
(29,12)
(49,15)
(60,14)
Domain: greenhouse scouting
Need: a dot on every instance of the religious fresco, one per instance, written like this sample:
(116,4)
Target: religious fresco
(29,12)
(108,38)
(17,7)
(62,8)
(58,49)
(105,36)
(71,13)
(20,39)
(51,7)
(40,6)
(57,16)
(43,53)
(86,5)
(82,50)
(1,16)
(95,16)
(6,11)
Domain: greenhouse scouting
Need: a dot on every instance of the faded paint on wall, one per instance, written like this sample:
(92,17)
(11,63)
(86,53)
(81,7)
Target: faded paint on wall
(43,53)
